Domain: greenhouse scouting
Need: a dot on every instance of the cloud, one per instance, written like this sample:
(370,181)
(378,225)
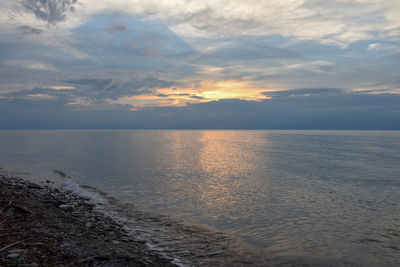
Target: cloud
(249,49)
(120,27)
(132,42)
(51,11)
(384,49)
(40,94)
(379,91)
(88,90)
(337,111)
(207,50)
(98,88)
(328,22)
(162,95)
(196,97)
(97,84)
(304,92)
(28,30)
(27,64)
(198,22)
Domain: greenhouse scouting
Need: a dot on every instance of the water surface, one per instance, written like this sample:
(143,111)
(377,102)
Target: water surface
(327,194)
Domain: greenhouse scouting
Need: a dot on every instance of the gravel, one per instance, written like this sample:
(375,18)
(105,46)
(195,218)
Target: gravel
(45,226)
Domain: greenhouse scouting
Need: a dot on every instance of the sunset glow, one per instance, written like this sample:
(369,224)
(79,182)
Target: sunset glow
(277,63)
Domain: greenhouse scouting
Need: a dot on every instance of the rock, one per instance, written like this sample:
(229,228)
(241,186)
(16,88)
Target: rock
(34,186)
(215,253)
(12,256)
(66,207)
(35,244)
(54,232)
(102,258)
(61,173)
(18,209)
(88,259)
(16,251)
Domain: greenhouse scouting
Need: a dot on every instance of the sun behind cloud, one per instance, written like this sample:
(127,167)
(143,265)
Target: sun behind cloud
(205,91)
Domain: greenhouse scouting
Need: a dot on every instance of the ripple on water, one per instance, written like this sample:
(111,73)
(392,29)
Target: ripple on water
(186,244)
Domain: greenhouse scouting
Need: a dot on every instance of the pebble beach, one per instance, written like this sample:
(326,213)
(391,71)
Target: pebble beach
(45,226)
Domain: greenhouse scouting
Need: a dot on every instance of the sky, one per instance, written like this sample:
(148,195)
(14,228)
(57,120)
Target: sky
(185,64)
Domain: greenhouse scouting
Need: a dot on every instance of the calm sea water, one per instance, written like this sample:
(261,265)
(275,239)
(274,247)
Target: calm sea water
(332,194)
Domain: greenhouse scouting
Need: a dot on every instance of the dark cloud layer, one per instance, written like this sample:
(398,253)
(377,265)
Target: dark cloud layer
(317,111)
(95,90)
(113,87)
(304,92)
(97,84)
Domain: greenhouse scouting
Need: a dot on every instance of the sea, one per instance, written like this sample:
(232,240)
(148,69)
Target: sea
(308,194)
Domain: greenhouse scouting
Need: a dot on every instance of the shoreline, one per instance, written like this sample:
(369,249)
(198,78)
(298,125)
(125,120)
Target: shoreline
(45,225)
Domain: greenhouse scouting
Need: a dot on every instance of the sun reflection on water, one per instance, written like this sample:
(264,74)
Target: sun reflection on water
(319,193)
(227,166)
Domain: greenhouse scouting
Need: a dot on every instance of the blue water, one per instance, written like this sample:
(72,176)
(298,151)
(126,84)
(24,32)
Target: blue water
(328,194)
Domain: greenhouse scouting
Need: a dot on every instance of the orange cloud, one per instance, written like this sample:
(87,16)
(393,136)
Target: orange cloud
(230,89)
(195,93)
(61,87)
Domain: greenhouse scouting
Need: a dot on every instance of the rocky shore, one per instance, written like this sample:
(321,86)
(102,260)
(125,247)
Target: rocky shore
(44,226)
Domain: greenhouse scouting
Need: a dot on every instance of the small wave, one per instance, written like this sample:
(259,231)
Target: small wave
(186,244)
(183,244)
(93,196)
